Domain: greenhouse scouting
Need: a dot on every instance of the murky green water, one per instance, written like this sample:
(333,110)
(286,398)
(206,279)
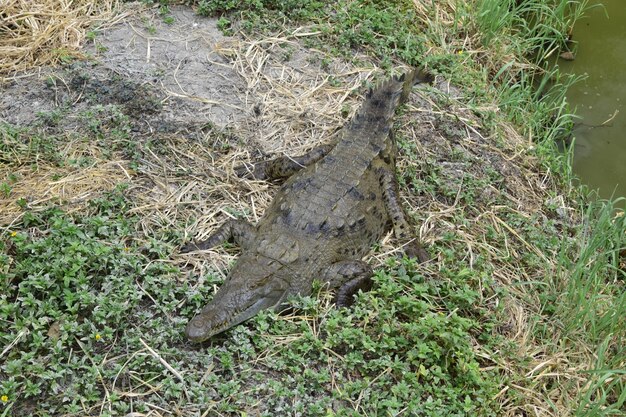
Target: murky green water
(600,147)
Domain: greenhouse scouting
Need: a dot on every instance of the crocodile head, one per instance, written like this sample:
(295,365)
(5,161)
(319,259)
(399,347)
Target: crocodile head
(253,285)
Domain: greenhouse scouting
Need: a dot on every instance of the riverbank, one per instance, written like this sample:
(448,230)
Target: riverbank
(130,153)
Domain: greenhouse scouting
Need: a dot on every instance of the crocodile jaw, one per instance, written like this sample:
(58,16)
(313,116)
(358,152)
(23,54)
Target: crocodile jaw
(217,317)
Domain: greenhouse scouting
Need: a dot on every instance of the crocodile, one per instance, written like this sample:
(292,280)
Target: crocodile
(336,201)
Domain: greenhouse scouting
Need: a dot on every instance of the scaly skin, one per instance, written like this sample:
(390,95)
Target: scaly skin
(338,200)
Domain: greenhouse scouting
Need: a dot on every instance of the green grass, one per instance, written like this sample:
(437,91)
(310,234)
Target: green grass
(591,305)
(381,30)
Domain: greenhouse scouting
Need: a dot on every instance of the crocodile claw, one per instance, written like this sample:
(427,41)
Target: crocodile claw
(251,171)
(189,247)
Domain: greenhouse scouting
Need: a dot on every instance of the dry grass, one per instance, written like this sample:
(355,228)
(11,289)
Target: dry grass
(71,187)
(297,106)
(44,32)
(526,188)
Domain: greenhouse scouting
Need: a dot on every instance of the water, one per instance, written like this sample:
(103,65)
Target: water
(600,134)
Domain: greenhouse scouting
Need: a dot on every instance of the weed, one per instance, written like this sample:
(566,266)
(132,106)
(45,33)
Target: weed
(5,188)
(164,12)
(65,56)
(91,35)
(149,26)
(19,144)
(51,118)
(224,25)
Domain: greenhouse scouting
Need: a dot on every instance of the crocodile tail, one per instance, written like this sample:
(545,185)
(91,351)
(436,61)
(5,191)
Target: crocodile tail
(382,100)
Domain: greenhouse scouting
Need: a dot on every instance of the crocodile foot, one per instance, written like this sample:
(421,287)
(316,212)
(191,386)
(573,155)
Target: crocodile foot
(345,293)
(416,251)
(189,247)
(252,171)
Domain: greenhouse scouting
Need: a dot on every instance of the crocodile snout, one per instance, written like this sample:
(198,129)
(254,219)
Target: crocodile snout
(199,329)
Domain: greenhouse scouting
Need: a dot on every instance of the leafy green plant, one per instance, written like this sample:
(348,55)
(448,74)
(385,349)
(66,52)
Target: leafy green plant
(72,284)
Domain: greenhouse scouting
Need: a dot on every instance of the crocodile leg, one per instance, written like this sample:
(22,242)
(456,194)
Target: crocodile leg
(283,166)
(349,277)
(241,232)
(396,214)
